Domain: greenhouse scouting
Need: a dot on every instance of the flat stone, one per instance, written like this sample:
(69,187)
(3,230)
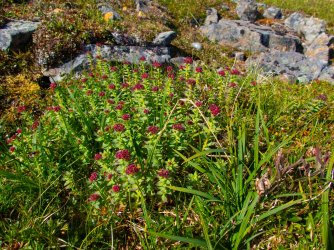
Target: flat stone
(211,16)
(289,63)
(130,54)
(273,12)
(247,10)
(164,38)
(320,48)
(248,36)
(309,27)
(17,34)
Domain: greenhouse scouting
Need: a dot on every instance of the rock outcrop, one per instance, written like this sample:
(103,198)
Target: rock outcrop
(131,54)
(16,35)
(288,63)
(248,36)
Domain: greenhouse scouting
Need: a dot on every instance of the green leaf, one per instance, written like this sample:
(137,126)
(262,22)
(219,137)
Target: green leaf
(195,192)
(192,241)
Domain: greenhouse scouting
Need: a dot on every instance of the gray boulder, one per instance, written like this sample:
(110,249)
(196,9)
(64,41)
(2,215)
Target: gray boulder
(321,48)
(248,36)
(291,64)
(309,27)
(16,35)
(211,16)
(247,10)
(164,38)
(327,74)
(273,12)
(130,54)
(142,5)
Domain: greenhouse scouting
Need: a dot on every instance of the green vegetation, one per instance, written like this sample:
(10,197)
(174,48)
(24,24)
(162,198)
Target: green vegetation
(155,157)
(159,157)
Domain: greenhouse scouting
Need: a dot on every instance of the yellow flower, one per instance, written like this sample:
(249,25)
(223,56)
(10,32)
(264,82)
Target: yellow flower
(108,16)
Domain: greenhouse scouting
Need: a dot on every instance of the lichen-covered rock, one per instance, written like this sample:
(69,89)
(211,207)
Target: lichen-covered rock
(16,35)
(289,63)
(164,38)
(321,48)
(248,36)
(273,12)
(211,16)
(309,27)
(327,74)
(247,10)
(131,54)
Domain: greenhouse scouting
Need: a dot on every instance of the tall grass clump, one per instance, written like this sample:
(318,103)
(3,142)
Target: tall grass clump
(160,157)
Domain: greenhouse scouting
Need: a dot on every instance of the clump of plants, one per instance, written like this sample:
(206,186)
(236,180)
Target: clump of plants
(158,156)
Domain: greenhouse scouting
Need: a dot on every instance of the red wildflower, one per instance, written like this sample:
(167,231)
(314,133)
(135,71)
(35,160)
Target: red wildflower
(164,173)
(199,70)
(253,83)
(89,92)
(111,86)
(98,156)
(169,68)
(123,154)
(232,85)
(138,86)
(93,177)
(104,77)
(119,127)
(56,108)
(144,76)
(155,88)
(146,111)
(214,109)
(113,68)
(126,117)
(153,129)
(109,176)
(125,85)
(182,67)
(21,109)
(19,131)
(171,95)
(35,125)
(91,74)
(156,64)
(198,103)
(84,80)
(102,93)
(119,107)
(116,188)
(111,101)
(221,72)
(131,169)
(142,58)
(178,126)
(94,197)
(53,85)
(171,76)
(235,72)
(191,81)
(188,60)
